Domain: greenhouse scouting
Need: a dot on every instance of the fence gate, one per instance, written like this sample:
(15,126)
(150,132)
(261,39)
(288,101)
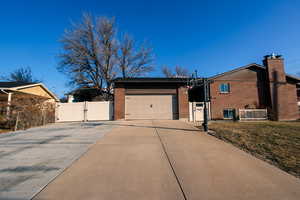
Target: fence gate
(84,111)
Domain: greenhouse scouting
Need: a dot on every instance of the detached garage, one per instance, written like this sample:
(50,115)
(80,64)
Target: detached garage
(150,98)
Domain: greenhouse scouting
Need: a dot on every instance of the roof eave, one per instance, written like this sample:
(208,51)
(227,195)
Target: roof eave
(151,80)
(236,70)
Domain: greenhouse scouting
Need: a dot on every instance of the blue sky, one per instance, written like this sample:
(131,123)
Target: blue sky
(211,36)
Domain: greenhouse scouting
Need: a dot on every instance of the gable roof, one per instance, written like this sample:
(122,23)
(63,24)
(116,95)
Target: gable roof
(15,86)
(255,65)
(238,69)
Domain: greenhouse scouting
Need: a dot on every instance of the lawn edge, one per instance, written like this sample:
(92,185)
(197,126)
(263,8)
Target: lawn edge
(259,156)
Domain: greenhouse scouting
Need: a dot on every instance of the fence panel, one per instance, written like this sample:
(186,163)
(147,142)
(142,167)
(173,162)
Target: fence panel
(67,112)
(253,114)
(84,111)
(99,111)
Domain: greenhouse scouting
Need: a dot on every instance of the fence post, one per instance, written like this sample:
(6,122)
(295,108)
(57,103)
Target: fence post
(44,116)
(85,111)
(8,105)
(17,121)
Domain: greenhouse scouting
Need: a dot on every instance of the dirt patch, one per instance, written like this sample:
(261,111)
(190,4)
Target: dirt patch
(4,130)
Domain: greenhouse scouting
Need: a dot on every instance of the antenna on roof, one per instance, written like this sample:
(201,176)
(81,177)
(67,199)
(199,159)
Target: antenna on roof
(273,55)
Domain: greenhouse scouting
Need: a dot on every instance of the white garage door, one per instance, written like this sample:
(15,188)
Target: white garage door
(150,106)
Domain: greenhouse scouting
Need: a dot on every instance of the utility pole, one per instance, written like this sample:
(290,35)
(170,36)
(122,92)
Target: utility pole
(206,96)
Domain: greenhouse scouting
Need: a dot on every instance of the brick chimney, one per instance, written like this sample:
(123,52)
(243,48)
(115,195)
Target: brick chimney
(275,68)
(280,92)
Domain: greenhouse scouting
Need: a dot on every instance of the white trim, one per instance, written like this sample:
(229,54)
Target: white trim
(25,86)
(252,109)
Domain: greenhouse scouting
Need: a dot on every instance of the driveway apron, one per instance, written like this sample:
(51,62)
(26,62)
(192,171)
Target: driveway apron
(169,160)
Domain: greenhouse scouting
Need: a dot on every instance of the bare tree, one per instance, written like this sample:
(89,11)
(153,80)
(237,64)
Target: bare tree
(134,61)
(23,74)
(92,54)
(180,72)
(89,55)
(167,72)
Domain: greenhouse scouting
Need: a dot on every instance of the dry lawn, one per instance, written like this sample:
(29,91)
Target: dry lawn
(4,130)
(275,142)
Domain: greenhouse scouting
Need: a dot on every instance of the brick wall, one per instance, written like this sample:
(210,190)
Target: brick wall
(247,90)
(183,104)
(119,103)
(287,108)
(242,94)
(283,94)
(298,92)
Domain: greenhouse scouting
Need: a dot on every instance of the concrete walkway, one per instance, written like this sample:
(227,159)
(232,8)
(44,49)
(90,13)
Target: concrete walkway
(169,160)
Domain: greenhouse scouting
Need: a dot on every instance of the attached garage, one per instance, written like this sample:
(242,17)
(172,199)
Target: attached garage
(150,98)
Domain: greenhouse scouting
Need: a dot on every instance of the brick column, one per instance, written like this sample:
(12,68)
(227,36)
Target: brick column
(183,103)
(119,103)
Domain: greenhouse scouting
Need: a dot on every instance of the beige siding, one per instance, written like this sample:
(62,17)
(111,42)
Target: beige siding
(36,90)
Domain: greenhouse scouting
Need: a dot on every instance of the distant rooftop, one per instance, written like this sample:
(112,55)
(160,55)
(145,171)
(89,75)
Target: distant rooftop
(12,84)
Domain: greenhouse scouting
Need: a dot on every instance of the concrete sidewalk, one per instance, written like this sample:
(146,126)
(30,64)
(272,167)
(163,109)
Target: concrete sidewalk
(130,163)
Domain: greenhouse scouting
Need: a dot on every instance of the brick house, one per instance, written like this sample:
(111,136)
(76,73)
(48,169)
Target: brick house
(256,86)
(252,86)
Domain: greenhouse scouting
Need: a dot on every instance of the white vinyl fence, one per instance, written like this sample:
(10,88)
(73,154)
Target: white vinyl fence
(84,111)
(253,114)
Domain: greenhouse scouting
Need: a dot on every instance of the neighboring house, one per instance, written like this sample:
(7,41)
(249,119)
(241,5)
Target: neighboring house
(251,86)
(87,94)
(24,105)
(37,89)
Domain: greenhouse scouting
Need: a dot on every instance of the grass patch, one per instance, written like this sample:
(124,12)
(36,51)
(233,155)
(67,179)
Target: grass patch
(276,142)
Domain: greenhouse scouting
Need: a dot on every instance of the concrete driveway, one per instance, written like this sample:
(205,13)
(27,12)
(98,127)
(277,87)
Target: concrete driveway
(168,160)
(31,159)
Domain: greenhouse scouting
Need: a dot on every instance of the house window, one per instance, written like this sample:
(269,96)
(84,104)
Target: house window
(228,113)
(224,88)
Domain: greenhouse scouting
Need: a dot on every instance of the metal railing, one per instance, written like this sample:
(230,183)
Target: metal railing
(253,114)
